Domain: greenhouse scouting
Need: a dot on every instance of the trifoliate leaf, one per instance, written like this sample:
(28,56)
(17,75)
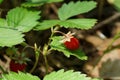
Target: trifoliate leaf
(46,24)
(66,75)
(22,19)
(10,37)
(3,22)
(78,23)
(72,9)
(57,45)
(19,76)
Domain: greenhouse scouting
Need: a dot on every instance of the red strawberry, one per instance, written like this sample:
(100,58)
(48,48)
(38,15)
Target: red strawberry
(73,44)
(70,41)
(18,61)
(14,66)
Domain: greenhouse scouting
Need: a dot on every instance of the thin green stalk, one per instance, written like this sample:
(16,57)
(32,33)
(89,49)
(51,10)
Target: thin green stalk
(53,31)
(24,44)
(35,65)
(46,63)
(37,59)
(46,50)
(37,52)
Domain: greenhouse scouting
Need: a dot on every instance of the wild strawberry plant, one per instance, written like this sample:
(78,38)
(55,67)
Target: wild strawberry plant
(64,15)
(23,19)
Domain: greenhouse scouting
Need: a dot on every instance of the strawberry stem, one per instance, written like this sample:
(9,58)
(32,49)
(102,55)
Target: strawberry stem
(36,62)
(46,50)
(60,33)
(37,53)
(46,63)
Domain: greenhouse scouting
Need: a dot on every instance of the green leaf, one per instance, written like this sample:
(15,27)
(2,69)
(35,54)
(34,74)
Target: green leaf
(67,75)
(35,3)
(46,24)
(72,9)
(19,76)
(1,1)
(78,23)
(51,1)
(117,4)
(71,23)
(3,22)
(22,19)
(44,1)
(10,37)
(29,4)
(57,45)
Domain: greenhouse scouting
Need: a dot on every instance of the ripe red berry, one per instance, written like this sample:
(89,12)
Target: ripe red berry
(70,41)
(16,66)
(73,44)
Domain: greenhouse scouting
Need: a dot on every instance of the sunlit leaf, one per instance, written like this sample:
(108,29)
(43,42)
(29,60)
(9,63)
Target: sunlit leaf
(117,4)
(3,22)
(72,9)
(70,23)
(10,37)
(46,24)
(78,23)
(66,75)
(22,19)
(19,76)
